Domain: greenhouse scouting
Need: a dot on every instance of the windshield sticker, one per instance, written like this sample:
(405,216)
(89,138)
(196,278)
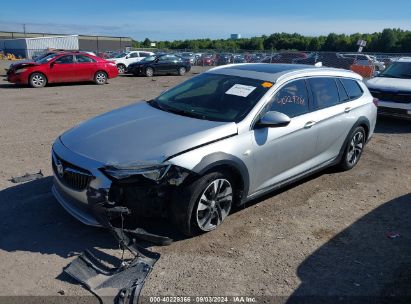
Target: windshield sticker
(240,90)
(266,84)
(299,100)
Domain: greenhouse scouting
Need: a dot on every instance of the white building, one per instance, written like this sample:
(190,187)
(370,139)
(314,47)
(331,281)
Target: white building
(29,47)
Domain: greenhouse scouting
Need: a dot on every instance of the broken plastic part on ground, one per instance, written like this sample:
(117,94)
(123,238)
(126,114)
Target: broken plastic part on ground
(119,285)
(28,177)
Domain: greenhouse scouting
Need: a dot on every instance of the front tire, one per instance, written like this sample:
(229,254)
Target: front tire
(37,80)
(149,72)
(353,150)
(182,71)
(203,204)
(100,78)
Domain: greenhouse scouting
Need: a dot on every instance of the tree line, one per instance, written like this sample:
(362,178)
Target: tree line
(388,41)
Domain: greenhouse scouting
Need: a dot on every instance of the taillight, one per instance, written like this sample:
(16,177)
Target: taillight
(375,101)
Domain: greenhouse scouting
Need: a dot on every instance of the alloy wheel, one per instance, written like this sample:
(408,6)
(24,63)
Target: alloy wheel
(355,148)
(38,80)
(214,204)
(121,69)
(101,78)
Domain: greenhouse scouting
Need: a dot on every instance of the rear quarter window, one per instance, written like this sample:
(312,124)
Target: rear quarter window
(352,88)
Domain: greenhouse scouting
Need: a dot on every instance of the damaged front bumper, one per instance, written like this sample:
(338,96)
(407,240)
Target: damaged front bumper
(93,197)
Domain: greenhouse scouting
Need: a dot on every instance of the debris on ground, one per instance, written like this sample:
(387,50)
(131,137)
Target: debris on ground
(121,284)
(27,177)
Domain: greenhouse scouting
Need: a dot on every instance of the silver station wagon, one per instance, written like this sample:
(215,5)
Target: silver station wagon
(217,140)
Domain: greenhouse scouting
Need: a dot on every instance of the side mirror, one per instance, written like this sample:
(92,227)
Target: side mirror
(127,57)
(52,64)
(273,119)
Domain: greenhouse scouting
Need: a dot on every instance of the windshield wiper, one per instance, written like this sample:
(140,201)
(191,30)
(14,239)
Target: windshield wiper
(157,105)
(186,113)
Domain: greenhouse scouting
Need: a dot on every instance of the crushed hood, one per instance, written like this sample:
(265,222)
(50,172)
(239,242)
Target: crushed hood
(23,64)
(141,133)
(389,84)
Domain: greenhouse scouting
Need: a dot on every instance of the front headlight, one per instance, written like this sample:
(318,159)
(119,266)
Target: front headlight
(152,172)
(18,71)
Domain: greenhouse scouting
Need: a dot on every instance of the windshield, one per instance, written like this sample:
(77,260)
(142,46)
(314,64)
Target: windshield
(398,70)
(121,55)
(213,97)
(47,58)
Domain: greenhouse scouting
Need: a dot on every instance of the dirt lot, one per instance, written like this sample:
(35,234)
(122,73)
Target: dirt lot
(325,236)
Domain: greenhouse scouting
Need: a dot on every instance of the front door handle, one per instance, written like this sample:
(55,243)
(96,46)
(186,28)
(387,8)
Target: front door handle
(309,124)
(346,110)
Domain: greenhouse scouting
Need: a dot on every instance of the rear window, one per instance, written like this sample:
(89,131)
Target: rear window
(352,88)
(325,92)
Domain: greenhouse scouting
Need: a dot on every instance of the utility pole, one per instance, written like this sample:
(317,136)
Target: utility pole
(24,30)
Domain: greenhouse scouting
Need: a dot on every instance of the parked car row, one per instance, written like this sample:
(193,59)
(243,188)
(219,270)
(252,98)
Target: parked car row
(392,86)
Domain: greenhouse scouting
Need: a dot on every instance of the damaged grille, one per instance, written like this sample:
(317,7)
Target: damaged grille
(71,175)
(391,96)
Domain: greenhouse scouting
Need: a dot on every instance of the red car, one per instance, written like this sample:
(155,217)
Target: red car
(62,67)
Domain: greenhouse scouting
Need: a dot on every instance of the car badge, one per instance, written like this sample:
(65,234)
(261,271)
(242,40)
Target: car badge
(60,168)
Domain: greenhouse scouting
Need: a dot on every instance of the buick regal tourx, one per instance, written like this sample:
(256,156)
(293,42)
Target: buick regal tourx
(214,141)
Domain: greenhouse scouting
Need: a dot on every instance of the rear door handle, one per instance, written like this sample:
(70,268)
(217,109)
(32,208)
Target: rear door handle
(309,124)
(346,110)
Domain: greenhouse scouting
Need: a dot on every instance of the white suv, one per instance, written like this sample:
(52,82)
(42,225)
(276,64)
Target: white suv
(123,60)
(393,89)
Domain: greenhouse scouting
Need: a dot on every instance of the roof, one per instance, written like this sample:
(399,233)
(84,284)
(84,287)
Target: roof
(276,72)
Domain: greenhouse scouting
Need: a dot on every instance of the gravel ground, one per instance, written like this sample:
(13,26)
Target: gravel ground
(324,236)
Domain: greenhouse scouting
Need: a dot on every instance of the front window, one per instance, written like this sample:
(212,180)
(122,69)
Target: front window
(121,55)
(398,70)
(213,97)
(149,58)
(291,99)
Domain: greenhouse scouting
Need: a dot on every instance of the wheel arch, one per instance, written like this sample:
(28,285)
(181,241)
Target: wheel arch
(362,121)
(225,162)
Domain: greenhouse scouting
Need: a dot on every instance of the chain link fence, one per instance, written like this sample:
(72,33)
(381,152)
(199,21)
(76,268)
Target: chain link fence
(366,64)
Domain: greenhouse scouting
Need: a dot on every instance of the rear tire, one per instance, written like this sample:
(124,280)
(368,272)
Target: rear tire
(203,204)
(121,68)
(353,150)
(37,80)
(100,78)
(149,72)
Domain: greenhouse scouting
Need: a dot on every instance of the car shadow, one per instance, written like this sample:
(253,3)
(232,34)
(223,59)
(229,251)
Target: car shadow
(389,125)
(368,262)
(32,220)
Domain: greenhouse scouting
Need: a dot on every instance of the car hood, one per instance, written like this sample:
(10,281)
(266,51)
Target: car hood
(141,133)
(23,64)
(389,84)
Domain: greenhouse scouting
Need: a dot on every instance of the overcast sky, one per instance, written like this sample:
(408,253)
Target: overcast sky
(179,19)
